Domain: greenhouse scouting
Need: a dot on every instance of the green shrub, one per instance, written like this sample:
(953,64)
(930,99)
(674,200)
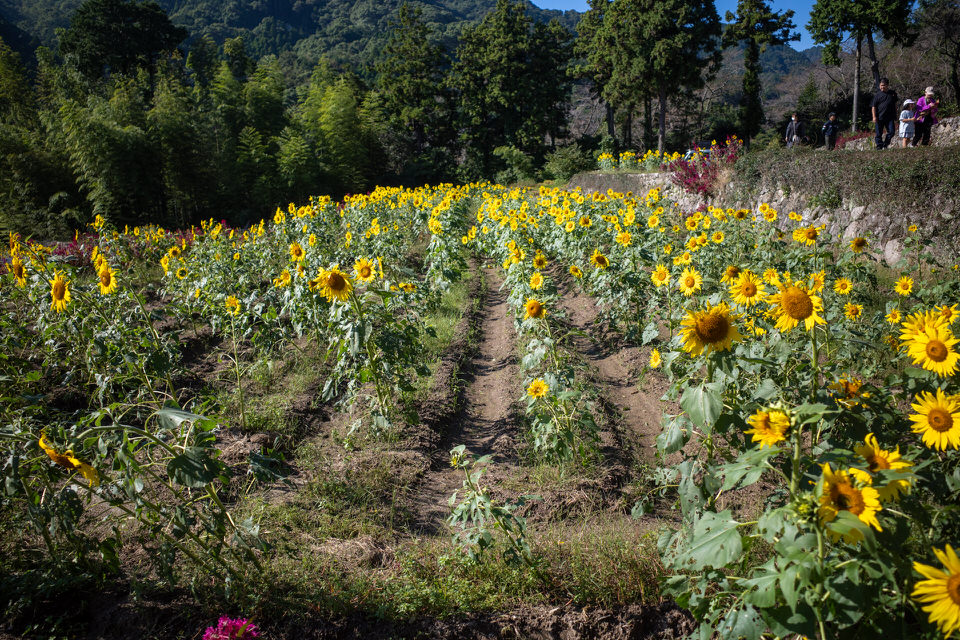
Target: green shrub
(566,161)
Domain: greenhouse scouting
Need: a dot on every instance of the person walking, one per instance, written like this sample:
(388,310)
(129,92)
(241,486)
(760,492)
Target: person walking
(794,131)
(830,130)
(884,108)
(907,123)
(926,117)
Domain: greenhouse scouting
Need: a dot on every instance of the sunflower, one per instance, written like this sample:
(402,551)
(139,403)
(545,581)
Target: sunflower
(717,237)
(655,359)
(894,316)
(363,268)
(296,252)
(232,305)
(879,459)
(59,292)
(730,273)
(691,223)
(585,221)
(858,244)
(904,286)
(653,221)
(569,227)
(335,285)
(843,286)
(941,590)
(712,329)
(623,238)
(683,258)
(937,420)
(793,305)
(948,313)
(769,427)
(817,281)
(772,276)
(932,348)
(534,309)
(539,261)
(536,280)
(575,271)
(108,280)
(599,260)
(660,276)
(181,273)
(68,461)
(283,280)
(770,215)
(841,492)
(538,389)
(19,271)
(846,391)
(806,235)
(748,289)
(853,311)
(690,281)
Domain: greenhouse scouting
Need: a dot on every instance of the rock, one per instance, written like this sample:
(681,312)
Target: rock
(892,252)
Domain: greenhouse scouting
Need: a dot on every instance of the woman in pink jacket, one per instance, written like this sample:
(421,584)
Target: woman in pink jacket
(926,117)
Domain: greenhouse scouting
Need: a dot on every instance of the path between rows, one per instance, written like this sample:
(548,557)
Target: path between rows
(485,425)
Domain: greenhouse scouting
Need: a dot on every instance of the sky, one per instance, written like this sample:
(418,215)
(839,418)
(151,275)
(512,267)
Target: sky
(801,10)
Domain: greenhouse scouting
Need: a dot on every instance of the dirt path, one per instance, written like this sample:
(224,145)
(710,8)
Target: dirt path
(639,410)
(485,425)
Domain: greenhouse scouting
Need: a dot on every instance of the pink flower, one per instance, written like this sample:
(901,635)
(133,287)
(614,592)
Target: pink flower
(232,629)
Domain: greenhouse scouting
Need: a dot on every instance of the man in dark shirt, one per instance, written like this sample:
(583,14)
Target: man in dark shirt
(884,107)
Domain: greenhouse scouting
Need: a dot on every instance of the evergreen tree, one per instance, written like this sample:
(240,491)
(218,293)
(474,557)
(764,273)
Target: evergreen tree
(942,18)
(118,36)
(203,60)
(593,49)
(758,27)
(660,46)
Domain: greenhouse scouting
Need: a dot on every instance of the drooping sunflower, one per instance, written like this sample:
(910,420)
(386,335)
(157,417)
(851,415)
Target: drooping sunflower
(711,329)
(937,420)
(335,285)
(282,280)
(108,280)
(660,276)
(932,347)
(904,286)
(296,252)
(795,304)
(858,244)
(536,280)
(59,292)
(769,427)
(940,591)
(842,286)
(655,359)
(841,492)
(879,459)
(363,269)
(599,260)
(748,289)
(538,389)
(534,309)
(68,461)
(19,271)
(690,281)
(232,305)
(575,271)
(730,274)
(846,391)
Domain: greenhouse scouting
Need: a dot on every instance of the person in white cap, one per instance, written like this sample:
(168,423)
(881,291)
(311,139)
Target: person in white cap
(926,117)
(907,123)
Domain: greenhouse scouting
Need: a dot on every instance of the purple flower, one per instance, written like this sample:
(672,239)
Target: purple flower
(232,629)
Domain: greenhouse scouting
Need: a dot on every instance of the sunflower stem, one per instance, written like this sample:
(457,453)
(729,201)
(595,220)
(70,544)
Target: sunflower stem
(236,370)
(815,361)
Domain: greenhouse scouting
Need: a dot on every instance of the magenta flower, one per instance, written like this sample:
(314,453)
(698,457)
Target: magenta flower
(232,629)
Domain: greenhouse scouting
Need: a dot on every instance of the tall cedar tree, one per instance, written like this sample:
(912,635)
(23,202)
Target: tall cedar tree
(118,36)
(511,85)
(942,18)
(663,45)
(410,73)
(593,49)
(758,27)
(833,21)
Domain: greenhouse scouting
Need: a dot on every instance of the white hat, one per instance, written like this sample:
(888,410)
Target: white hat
(908,101)
(928,91)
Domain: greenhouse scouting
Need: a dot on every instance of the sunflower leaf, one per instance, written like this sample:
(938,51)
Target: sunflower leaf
(703,403)
(715,542)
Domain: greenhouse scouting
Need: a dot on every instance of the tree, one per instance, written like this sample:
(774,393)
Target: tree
(758,27)
(833,21)
(593,49)
(942,18)
(203,61)
(508,93)
(118,36)
(660,45)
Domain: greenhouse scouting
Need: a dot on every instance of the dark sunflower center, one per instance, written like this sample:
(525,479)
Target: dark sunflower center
(534,308)
(713,328)
(105,278)
(336,282)
(365,271)
(936,351)
(59,290)
(877,463)
(689,282)
(733,272)
(602,261)
(940,420)
(749,289)
(811,234)
(847,498)
(953,588)
(797,303)
(18,270)
(859,243)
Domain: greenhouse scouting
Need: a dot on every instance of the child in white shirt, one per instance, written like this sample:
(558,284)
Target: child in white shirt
(907,120)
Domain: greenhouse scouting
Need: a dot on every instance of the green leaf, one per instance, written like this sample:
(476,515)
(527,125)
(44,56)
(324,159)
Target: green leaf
(703,403)
(715,542)
(194,468)
(748,467)
(650,332)
(743,623)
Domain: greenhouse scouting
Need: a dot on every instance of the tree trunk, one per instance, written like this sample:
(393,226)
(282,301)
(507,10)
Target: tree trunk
(662,117)
(856,87)
(628,128)
(610,130)
(647,123)
(874,63)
